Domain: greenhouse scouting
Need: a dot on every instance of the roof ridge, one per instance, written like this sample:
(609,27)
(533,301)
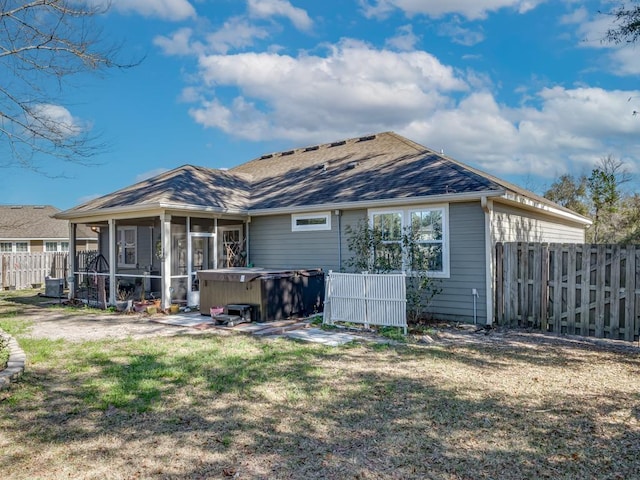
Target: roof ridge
(314,147)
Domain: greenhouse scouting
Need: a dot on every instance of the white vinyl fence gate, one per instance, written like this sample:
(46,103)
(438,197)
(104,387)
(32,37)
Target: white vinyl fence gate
(367,298)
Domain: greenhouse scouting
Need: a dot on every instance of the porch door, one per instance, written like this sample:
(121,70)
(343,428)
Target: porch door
(202,256)
(229,246)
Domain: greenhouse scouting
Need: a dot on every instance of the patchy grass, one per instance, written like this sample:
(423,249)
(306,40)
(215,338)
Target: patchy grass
(393,333)
(217,407)
(17,302)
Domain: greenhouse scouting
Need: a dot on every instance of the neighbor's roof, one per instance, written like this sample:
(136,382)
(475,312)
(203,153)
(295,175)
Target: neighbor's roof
(26,222)
(363,170)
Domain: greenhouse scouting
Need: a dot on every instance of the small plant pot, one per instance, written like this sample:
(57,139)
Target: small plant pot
(152,310)
(174,308)
(139,307)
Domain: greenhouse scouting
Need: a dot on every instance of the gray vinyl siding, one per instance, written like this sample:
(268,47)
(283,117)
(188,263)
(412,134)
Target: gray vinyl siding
(467,267)
(272,244)
(143,246)
(511,224)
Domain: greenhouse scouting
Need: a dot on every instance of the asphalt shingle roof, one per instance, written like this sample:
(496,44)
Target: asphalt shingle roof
(187,186)
(35,222)
(375,167)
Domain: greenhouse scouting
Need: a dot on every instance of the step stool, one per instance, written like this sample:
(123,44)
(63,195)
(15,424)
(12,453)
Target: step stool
(234,314)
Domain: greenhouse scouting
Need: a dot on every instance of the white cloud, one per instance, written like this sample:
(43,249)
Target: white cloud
(578,16)
(568,132)
(54,121)
(470,9)
(355,88)
(460,34)
(352,89)
(173,10)
(178,43)
(281,8)
(626,60)
(236,33)
(621,59)
(405,39)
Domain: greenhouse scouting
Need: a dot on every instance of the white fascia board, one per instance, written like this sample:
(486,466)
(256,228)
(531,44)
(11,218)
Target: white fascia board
(432,199)
(137,211)
(533,205)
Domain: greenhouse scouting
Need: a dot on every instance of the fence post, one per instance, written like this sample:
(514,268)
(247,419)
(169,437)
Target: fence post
(499,287)
(601,275)
(544,287)
(585,289)
(630,294)
(571,290)
(614,297)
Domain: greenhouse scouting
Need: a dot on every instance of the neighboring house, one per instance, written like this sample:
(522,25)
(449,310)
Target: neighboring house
(32,228)
(293,208)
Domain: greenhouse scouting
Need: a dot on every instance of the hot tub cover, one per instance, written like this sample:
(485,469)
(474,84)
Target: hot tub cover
(248,274)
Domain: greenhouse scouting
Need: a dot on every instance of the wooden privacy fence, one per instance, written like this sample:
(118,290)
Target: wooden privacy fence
(581,289)
(370,299)
(25,270)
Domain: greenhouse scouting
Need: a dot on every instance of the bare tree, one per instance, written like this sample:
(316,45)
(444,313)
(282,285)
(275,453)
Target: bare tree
(43,43)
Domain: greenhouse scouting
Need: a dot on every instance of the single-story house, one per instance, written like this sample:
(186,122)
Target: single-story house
(291,209)
(32,228)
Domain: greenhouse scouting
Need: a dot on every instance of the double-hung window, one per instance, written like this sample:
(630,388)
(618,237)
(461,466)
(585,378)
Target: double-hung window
(388,225)
(412,239)
(127,251)
(427,228)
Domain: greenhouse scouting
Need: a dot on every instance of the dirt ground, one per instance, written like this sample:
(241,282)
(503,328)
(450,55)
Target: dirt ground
(86,326)
(90,326)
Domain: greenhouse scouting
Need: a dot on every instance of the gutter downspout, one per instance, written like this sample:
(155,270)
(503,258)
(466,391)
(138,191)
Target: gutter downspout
(487,207)
(339,215)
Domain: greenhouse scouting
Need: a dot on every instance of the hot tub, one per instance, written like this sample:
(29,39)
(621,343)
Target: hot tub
(274,294)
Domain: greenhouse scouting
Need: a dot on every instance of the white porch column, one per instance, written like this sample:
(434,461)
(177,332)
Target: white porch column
(71,261)
(112,261)
(247,260)
(165,238)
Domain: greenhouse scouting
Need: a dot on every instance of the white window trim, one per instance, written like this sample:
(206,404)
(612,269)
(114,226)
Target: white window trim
(310,228)
(14,246)
(406,221)
(58,246)
(120,236)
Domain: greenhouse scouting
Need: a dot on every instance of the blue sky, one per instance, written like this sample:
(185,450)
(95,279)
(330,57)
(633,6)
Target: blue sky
(524,89)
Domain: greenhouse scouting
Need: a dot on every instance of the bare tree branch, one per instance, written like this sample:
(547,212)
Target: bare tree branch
(627,24)
(42,44)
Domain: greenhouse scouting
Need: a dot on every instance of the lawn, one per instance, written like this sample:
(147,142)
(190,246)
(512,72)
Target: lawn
(207,406)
